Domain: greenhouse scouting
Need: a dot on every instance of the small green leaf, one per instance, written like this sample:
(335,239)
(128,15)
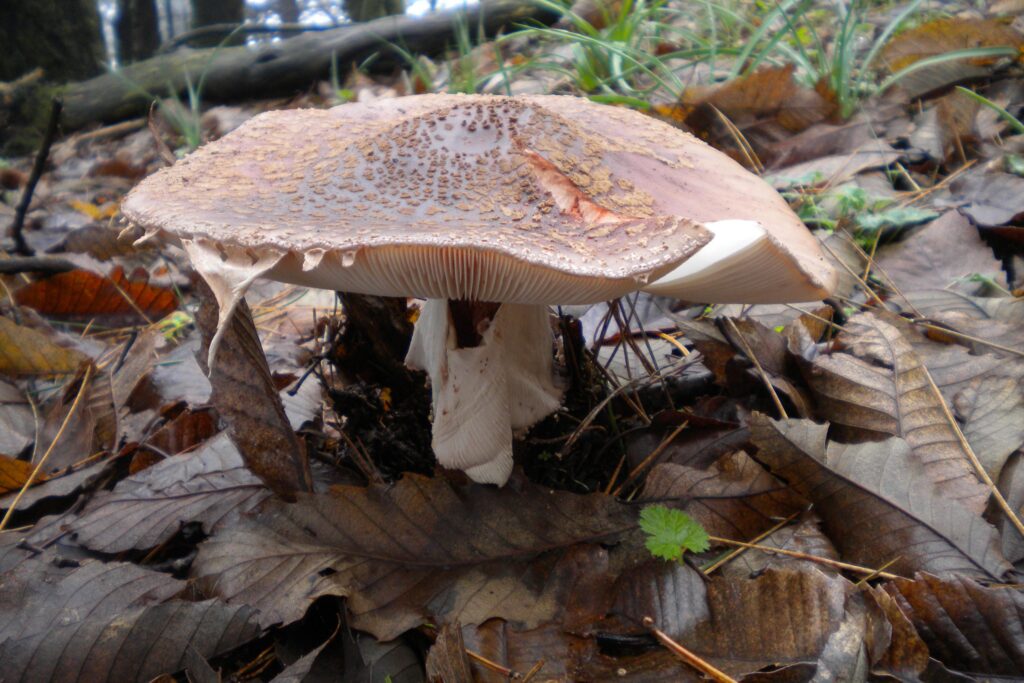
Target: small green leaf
(671,532)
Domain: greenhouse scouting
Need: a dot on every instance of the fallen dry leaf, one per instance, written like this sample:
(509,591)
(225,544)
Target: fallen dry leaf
(83,296)
(210,486)
(419,549)
(967,626)
(28,352)
(942,254)
(877,502)
(880,388)
(14,473)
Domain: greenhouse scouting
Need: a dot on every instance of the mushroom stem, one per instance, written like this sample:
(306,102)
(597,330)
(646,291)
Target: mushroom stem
(484,394)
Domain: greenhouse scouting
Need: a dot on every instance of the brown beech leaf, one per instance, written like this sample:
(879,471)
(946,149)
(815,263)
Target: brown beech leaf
(986,393)
(136,644)
(421,549)
(565,656)
(17,423)
(735,497)
(997,323)
(81,296)
(25,352)
(37,596)
(55,487)
(967,626)
(247,399)
(14,473)
(940,254)
(990,198)
(210,486)
(743,613)
(877,503)
(943,35)
(762,104)
(898,648)
(879,387)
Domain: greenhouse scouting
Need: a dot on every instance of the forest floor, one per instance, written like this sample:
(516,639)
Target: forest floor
(850,469)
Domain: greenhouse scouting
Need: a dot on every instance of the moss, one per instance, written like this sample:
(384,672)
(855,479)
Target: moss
(24,117)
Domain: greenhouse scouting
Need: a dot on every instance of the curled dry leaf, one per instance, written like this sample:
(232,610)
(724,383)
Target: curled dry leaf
(968,627)
(880,388)
(210,486)
(878,503)
(421,549)
(25,352)
(82,296)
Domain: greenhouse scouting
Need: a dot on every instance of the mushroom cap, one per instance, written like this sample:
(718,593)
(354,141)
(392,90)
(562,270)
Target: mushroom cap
(543,199)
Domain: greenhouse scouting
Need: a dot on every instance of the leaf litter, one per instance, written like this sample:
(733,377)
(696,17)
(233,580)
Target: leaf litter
(152,541)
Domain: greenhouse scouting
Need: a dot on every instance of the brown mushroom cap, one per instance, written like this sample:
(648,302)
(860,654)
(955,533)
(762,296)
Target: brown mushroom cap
(440,196)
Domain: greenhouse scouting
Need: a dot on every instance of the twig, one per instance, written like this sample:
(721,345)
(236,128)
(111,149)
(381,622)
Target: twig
(760,370)
(733,554)
(13,265)
(20,245)
(806,556)
(493,666)
(690,658)
(654,454)
(42,461)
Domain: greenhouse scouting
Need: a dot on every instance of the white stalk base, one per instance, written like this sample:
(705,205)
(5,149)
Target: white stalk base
(483,395)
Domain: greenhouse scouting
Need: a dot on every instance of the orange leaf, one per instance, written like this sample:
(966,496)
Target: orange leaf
(14,473)
(946,35)
(81,295)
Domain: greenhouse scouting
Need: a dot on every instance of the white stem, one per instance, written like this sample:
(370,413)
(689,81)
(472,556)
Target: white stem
(482,395)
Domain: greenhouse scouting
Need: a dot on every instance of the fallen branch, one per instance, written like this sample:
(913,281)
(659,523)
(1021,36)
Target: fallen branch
(283,68)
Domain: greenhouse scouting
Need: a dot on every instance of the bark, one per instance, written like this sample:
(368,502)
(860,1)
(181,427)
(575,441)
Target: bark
(138,30)
(277,69)
(210,12)
(368,10)
(61,36)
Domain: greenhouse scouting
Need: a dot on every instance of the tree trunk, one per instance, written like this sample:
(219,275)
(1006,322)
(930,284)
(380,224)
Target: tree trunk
(288,10)
(138,30)
(209,12)
(61,36)
(368,10)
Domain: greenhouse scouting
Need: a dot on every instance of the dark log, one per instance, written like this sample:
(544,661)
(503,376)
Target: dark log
(280,69)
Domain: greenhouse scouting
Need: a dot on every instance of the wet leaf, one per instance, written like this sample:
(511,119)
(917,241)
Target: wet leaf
(422,549)
(210,486)
(877,502)
(82,296)
(879,387)
(967,626)
(28,352)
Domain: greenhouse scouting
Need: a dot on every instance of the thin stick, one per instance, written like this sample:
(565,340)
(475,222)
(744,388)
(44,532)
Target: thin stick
(20,245)
(733,554)
(969,452)
(534,670)
(42,461)
(647,461)
(690,658)
(760,370)
(493,666)
(805,556)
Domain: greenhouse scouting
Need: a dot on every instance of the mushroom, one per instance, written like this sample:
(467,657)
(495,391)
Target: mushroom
(492,209)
